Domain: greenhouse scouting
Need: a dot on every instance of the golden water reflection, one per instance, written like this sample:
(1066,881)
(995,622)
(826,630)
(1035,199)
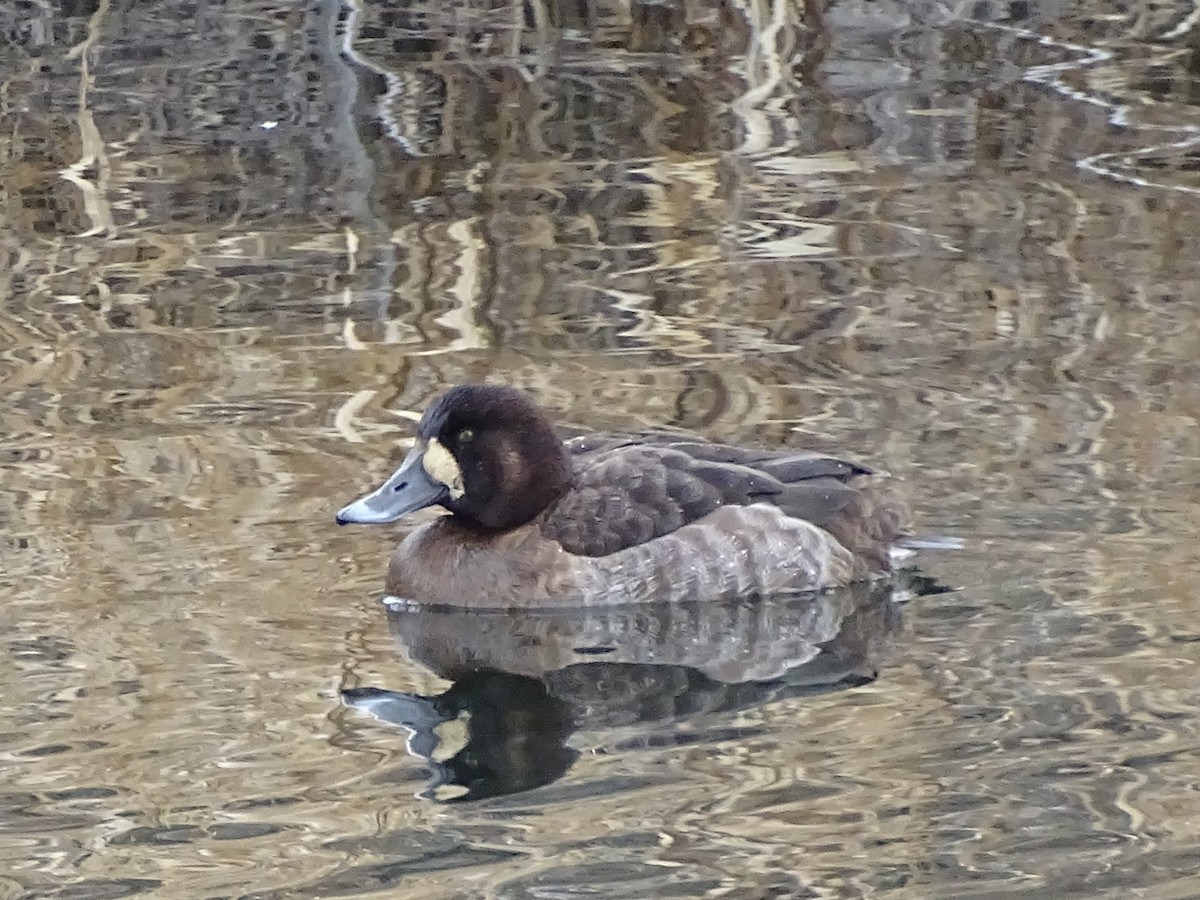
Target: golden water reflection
(241,245)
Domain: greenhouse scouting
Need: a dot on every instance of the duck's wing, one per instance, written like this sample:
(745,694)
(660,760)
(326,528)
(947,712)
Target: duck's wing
(629,492)
(596,446)
(599,442)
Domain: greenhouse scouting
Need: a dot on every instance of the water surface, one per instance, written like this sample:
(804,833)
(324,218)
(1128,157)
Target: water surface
(243,244)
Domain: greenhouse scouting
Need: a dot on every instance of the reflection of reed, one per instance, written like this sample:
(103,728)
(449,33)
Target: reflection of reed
(875,242)
(744,295)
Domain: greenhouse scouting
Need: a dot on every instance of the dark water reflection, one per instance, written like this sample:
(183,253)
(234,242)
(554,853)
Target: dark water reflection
(527,681)
(241,243)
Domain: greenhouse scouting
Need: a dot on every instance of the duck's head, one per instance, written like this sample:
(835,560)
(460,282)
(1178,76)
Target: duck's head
(483,452)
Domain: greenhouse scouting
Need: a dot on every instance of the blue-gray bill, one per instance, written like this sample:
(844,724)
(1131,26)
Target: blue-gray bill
(408,489)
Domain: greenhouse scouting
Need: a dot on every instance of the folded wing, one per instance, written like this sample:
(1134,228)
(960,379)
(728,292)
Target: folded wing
(632,489)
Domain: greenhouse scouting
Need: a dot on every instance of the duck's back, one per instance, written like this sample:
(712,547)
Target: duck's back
(629,491)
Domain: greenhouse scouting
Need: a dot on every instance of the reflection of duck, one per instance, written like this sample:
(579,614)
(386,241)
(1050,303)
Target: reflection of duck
(618,518)
(527,681)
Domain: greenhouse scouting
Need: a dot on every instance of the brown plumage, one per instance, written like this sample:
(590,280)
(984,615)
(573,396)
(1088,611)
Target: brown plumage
(619,518)
(629,489)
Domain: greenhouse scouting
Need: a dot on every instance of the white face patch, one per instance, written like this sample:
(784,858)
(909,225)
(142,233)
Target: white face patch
(442,466)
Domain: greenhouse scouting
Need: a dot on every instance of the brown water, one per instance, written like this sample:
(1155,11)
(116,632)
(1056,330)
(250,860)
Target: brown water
(242,243)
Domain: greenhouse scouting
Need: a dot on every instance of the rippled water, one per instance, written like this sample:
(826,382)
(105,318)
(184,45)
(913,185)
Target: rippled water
(241,244)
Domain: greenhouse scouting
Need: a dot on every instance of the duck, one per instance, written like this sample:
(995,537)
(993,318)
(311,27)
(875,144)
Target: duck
(532,520)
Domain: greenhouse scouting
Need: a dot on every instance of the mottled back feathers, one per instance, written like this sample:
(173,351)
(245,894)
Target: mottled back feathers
(628,490)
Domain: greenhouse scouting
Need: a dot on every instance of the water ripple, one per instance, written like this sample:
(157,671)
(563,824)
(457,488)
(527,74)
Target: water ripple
(240,248)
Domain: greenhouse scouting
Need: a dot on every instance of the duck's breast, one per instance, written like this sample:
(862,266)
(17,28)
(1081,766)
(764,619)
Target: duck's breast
(443,563)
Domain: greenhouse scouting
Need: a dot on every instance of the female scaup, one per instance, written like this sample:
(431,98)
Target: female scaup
(609,518)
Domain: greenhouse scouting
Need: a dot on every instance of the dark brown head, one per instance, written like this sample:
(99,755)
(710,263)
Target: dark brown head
(485,453)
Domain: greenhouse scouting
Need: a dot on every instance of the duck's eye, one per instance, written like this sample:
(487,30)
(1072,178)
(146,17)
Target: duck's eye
(466,436)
